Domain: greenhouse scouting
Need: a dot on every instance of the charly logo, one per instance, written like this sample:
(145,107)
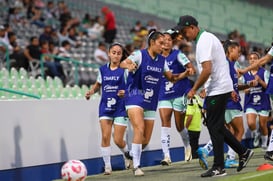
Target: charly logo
(148,93)
(168,86)
(111,101)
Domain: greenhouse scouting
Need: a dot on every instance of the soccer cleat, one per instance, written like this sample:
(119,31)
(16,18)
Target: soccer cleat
(214,172)
(230,163)
(138,172)
(188,155)
(203,154)
(128,160)
(166,161)
(243,159)
(256,140)
(268,155)
(107,170)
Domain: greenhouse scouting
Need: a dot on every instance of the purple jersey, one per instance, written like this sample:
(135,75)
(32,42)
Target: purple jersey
(112,81)
(257,98)
(144,84)
(169,90)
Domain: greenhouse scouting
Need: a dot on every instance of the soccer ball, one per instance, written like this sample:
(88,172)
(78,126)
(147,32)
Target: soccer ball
(74,170)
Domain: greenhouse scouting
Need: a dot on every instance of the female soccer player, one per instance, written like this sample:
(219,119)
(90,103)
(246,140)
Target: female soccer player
(257,102)
(173,99)
(112,111)
(146,68)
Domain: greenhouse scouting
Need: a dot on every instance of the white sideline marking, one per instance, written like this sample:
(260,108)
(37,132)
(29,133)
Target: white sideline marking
(256,175)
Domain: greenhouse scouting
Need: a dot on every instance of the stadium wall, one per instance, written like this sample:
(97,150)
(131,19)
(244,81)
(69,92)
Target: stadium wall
(38,136)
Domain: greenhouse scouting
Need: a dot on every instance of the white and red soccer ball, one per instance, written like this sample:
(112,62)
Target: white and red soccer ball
(74,170)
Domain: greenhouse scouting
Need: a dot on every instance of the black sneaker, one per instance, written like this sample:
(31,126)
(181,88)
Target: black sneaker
(268,155)
(214,172)
(243,159)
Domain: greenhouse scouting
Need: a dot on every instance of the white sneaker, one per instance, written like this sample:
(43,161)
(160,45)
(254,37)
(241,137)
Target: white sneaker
(128,161)
(107,170)
(166,161)
(188,156)
(138,172)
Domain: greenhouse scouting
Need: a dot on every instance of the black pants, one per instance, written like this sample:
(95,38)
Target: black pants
(216,106)
(194,142)
(109,36)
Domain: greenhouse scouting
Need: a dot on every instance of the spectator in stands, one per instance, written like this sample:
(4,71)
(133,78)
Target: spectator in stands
(46,35)
(32,51)
(87,20)
(214,75)
(73,35)
(50,11)
(54,67)
(100,54)
(34,15)
(16,53)
(64,36)
(109,23)
(16,16)
(95,32)
(151,25)
(66,18)
(112,108)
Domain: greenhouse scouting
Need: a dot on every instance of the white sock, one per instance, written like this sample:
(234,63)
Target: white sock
(254,133)
(125,149)
(185,137)
(106,155)
(264,141)
(136,153)
(209,146)
(231,153)
(165,140)
(270,145)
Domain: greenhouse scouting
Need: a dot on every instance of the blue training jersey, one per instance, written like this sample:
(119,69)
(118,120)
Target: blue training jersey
(169,90)
(269,89)
(112,81)
(257,98)
(233,74)
(143,85)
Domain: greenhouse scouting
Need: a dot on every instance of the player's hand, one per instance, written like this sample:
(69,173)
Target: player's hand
(234,96)
(121,93)
(202,93)
(132,67)
(88,94)
(191,94)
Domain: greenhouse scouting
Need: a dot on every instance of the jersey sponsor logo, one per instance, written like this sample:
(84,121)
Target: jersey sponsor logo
(110,88)
(150,79)
(154,69)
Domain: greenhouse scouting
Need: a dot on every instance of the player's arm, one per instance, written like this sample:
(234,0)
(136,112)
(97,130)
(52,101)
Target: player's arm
(93,90)
(128,64)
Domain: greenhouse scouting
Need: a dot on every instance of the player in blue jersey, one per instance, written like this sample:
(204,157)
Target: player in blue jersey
(257,102)
(262,61)
(146,69)
(111,80)
(173,99)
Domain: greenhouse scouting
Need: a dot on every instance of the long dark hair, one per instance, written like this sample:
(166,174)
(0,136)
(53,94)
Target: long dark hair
(153,35)
(125,54)
(230,43)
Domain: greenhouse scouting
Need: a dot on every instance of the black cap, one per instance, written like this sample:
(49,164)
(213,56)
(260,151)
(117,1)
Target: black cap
(185,21)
